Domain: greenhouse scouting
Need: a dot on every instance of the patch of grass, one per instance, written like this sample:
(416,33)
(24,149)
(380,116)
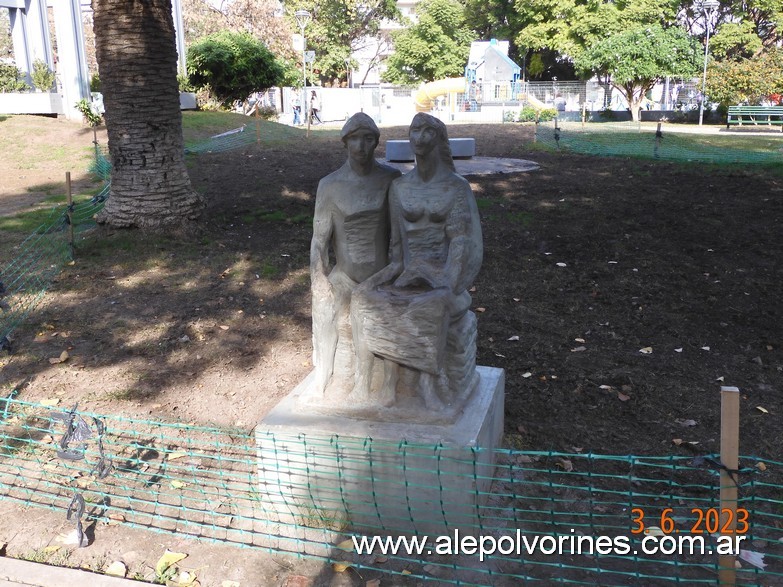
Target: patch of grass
(523,218)
(267,270)
(483,203)
(201,125)
(276,216)
(47,188)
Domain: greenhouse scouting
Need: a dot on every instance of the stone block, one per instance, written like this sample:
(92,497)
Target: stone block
(398,150)
(318,468)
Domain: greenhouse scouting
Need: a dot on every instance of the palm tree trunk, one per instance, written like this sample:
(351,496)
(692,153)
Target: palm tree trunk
(137,61)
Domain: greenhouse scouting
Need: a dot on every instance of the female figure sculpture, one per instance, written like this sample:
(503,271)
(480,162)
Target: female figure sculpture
(415,311)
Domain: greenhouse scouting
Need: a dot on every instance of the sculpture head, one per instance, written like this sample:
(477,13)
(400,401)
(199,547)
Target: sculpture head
(360,136)
(427,134)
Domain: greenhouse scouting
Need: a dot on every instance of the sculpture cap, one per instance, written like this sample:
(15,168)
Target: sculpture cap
(359,121)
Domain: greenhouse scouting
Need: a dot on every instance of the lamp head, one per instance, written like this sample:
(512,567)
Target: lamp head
(303,17)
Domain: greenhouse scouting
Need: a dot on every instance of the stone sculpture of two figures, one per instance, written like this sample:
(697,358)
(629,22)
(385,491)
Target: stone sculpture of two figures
(391,260)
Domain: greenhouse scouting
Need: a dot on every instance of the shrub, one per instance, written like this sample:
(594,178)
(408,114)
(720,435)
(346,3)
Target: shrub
(95,83)
(12,79)
(92,117)
(232,66)
(43,77)
(530,114)
(268,112)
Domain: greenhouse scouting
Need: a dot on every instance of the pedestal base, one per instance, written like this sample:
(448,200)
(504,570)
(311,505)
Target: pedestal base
(327,470)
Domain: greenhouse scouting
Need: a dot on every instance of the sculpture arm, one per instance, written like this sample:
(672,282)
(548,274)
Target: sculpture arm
(323,228)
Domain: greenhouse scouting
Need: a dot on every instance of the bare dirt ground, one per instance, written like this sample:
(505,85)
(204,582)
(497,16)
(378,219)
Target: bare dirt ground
(618,295)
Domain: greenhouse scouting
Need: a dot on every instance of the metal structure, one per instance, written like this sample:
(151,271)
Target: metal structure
(708,8)
(30,34)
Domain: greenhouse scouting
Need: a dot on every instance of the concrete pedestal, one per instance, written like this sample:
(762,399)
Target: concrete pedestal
(321,469)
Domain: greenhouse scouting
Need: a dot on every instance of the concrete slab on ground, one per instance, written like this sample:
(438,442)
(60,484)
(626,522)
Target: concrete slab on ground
(20,573)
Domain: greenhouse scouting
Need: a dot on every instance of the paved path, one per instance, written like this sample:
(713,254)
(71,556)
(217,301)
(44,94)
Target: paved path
(19,573)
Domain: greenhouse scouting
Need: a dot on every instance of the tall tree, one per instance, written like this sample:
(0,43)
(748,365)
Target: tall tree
(437,46)
(339,28)
(638,58)
(263,19)
(137,60)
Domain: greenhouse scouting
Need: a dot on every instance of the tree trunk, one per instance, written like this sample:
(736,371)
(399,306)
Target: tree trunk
(137,61)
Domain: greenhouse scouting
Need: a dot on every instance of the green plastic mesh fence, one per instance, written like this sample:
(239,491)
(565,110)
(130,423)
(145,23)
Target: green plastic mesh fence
(38,259)
(233,139)
(644,141)
(434,512)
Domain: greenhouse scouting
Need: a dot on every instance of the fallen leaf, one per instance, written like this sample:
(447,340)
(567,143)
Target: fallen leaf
(61,359)
(605,387)
(565,464)
(50,402)
(176,455)
(579,349)
(115,519)
(168,560)
(117,569)
(705,348)
(654,531)
(677,441)
(721,378)
(524,459)
(405,572)
(472,289)
(223,327)
(754,558)
(85,482)
(499,355)
(372,583)
(517,299)
(684,422)
(679,350)
(177,484)
(579,340)
(762,410)
(481,309)
(515,337)
(761,466)
(184,579)
(341,567)
(646,350)
(526,375)
(622,397)
(51,549)
(561,264)
(346,545)
(380,559)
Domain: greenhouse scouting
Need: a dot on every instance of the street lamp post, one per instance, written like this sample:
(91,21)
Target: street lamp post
(302,18)
(708,8)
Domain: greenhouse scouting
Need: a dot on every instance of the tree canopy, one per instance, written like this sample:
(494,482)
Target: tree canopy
(339,28)
(637,58)
(436,47)
(232,66)
(745,80)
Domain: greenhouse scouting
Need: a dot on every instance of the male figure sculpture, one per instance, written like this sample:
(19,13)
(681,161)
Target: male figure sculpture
(352,220)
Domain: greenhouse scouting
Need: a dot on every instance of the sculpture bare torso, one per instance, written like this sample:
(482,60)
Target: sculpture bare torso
(414,313)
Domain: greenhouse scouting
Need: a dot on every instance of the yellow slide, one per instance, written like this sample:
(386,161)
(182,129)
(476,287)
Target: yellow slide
(427,93)
(534,102)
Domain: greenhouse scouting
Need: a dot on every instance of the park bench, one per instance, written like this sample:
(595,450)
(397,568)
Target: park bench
(397,150)
(769,115)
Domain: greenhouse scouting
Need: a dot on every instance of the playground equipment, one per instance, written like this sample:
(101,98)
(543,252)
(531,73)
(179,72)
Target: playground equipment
(490,76)
(427,93)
